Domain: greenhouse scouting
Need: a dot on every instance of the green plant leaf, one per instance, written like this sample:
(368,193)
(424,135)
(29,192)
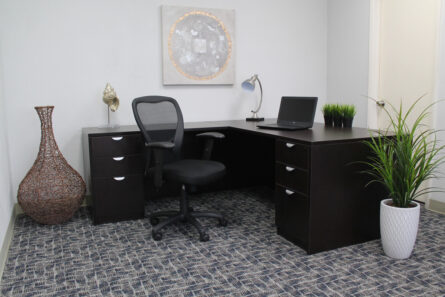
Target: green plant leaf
(403,156)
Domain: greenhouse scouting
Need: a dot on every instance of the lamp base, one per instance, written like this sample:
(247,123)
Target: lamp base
(254,119)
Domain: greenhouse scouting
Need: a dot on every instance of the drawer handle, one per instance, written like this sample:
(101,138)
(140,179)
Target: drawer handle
(119,178)
(289,169)
(290,145)
(118,158)
(119,138)
(289,192)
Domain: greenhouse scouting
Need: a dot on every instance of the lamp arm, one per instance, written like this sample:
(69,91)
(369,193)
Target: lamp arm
(261,98)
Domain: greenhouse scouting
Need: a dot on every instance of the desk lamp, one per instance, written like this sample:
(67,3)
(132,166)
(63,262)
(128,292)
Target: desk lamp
(249,85)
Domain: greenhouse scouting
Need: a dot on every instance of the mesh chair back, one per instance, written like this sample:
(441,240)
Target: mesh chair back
(160,119)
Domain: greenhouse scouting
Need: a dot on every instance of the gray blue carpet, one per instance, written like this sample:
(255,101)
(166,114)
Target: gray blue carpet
(246,258)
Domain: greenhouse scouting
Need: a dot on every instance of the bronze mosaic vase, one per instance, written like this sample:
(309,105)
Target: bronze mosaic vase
(52,191)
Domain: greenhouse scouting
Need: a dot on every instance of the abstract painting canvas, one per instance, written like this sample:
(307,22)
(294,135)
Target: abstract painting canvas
(198,46)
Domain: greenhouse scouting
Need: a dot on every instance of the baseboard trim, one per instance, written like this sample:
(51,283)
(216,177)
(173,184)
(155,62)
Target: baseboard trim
(18,210)
(7,240)
(435,205)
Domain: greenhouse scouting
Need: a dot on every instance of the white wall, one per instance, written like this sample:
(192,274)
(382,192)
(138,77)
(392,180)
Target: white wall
(6,192)
(439,119)
(408,41)
(408,46)
(348,53)
(63,52)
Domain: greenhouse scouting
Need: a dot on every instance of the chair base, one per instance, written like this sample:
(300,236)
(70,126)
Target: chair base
(185,214)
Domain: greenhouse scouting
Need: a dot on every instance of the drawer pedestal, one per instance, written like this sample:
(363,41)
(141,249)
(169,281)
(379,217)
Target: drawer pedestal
(116,167)
(292,192)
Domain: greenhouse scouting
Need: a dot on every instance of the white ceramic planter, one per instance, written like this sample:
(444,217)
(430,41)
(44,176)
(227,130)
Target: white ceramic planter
(398,228)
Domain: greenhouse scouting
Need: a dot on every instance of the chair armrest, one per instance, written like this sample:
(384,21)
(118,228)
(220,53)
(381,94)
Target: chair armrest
(215,135)
(161,145)
(209,140)
(158,149)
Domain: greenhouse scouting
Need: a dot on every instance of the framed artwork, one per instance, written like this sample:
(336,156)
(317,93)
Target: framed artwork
(198,46)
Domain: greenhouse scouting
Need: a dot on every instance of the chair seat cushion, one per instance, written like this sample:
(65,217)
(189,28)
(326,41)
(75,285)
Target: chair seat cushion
(194,172)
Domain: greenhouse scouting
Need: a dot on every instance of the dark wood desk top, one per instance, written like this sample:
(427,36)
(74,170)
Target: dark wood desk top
(317,134)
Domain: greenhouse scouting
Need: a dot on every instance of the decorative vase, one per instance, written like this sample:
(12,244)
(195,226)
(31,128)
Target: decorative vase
(52,191)
(338,121)
(347,122)
(328,120)
(398,228)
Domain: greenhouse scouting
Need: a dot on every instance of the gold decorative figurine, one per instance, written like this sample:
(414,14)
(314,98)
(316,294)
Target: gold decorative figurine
(111,100)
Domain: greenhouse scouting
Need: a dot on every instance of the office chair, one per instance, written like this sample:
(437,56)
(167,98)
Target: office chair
(160,120)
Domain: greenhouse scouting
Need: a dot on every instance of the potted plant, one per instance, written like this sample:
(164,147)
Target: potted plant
(348,115)
(327,114)
(404,157)
(337,115)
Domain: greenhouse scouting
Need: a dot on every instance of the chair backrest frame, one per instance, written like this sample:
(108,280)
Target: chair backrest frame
(179,131)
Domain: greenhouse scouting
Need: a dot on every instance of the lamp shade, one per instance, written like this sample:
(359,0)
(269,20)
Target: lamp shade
(249,84)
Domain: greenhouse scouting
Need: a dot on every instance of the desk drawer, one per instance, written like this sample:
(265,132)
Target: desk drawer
(292,215)
(291,177)
(118,198)
(292,154)
(117,145)
(117,166)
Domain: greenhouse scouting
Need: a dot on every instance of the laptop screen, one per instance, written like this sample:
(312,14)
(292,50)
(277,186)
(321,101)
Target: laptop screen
(297,110)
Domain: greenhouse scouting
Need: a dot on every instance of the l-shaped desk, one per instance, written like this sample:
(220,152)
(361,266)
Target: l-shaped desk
(321,197)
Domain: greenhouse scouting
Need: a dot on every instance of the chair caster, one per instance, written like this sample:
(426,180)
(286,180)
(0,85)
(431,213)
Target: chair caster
(156,235)
(223,222)
(154,221)
(204,237)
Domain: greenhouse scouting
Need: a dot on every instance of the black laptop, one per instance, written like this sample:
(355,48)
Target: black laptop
(296,113)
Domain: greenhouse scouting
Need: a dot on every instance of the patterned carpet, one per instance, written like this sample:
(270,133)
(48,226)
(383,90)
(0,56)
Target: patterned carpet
(246,258)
